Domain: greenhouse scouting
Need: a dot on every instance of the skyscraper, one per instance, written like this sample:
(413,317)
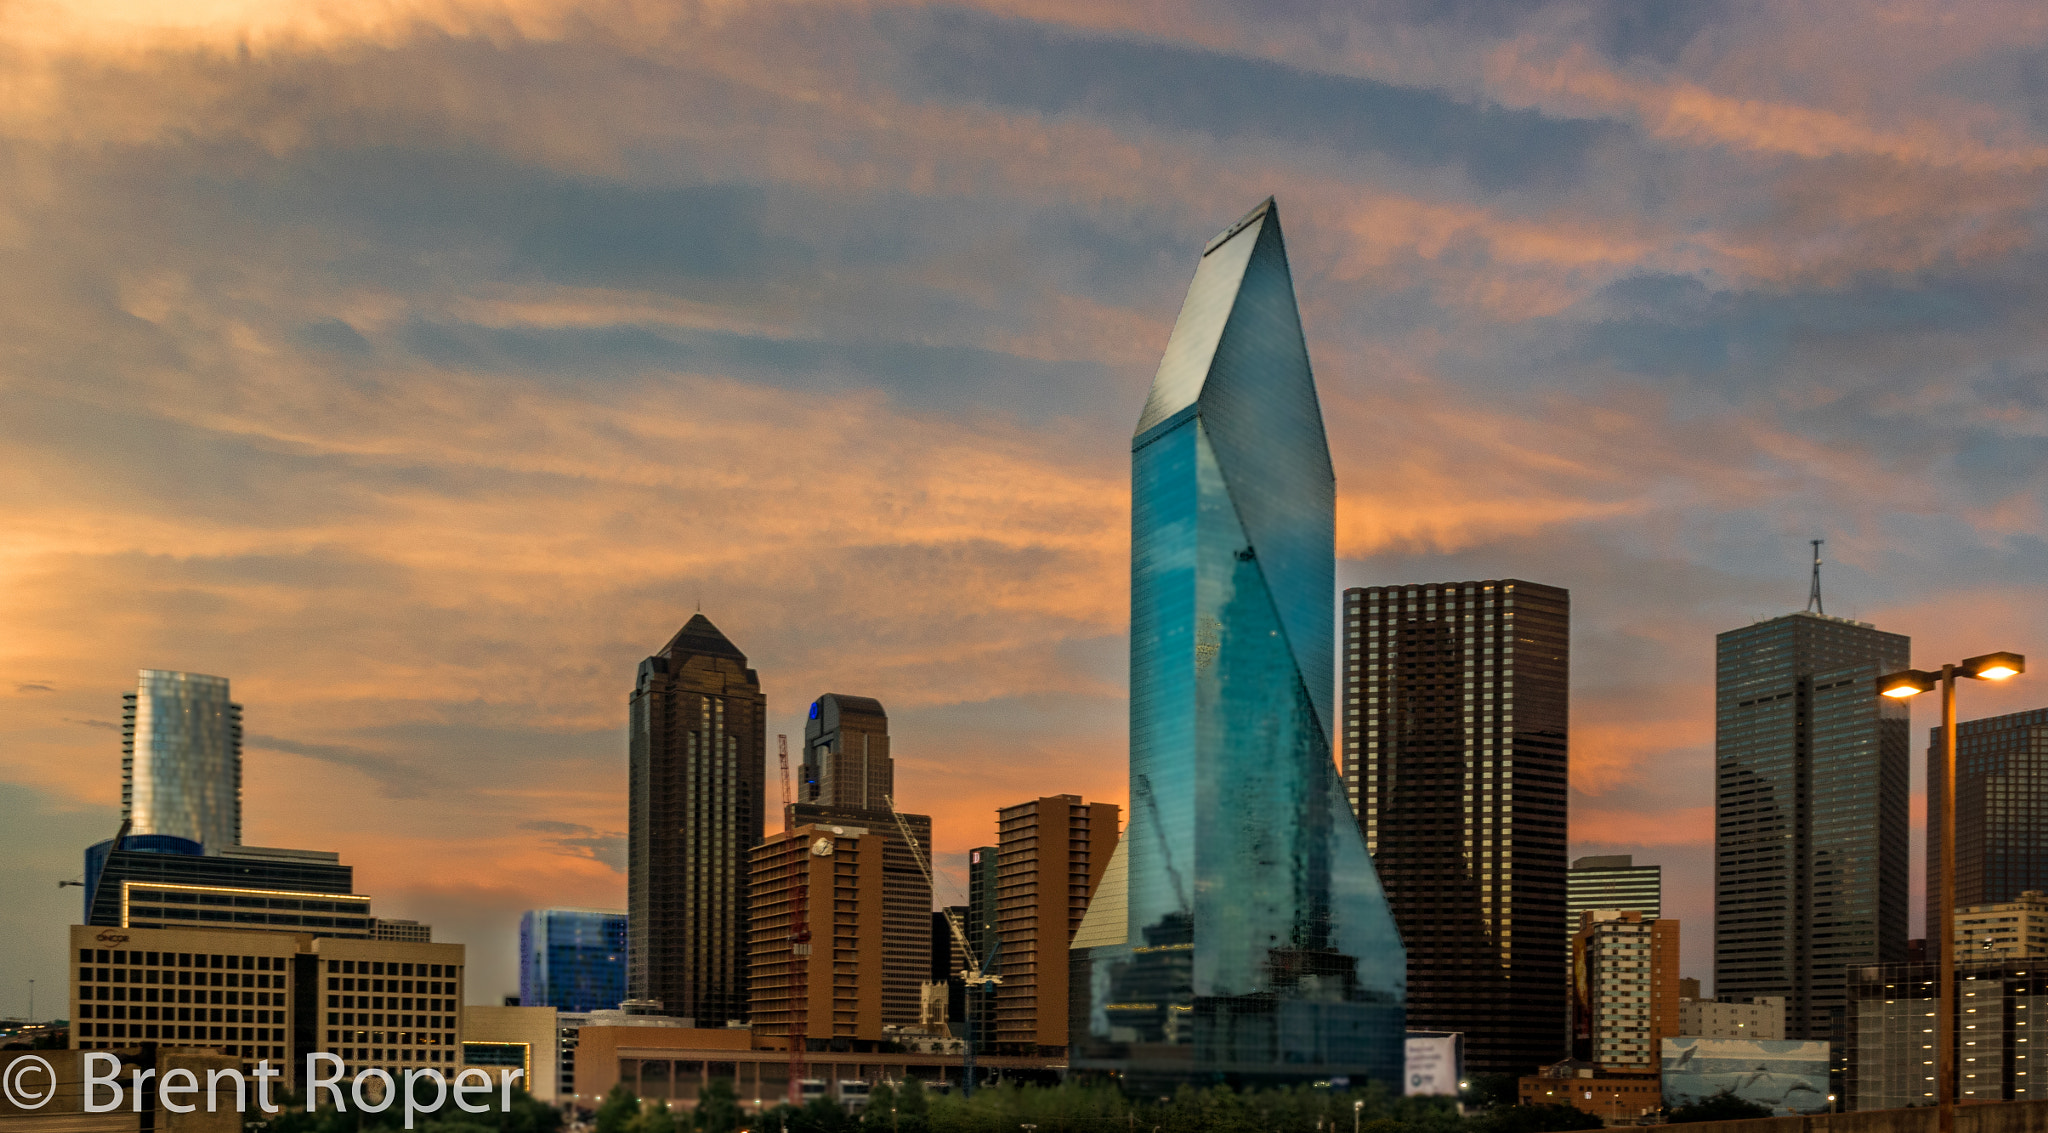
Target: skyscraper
(1456,727)
(181,759)
(698,749)
(905,909)
(1254,944)
(1809,812)
(846,753)
(1613,881)
(1052,852)
(2001,809)
(572,959)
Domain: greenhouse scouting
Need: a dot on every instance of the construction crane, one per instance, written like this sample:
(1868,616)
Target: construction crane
(976,976)
(799,945)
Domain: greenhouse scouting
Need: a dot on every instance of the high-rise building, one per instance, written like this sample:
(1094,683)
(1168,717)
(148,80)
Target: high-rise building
(982,938)
(1999,931)
(1613,881)
(1051,853)
(1455,751)
(846,753)
(698,741)
(181,758)
(1253,943)
(905,951)
(1890,1034)
(840,874)
(572,959)
(1624,988)
(1810,812)
(2001,808)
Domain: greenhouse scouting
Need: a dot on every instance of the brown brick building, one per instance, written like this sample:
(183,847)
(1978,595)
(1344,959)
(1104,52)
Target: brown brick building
(1050,854)
(838,985)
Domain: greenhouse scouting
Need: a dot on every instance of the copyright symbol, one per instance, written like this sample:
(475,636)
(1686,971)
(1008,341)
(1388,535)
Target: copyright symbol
(14,1082)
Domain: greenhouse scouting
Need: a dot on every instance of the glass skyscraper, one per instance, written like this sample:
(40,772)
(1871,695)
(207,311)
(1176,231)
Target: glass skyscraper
(1810,820)
(1254,944)
(181,759)
(2001,810)
(572,959)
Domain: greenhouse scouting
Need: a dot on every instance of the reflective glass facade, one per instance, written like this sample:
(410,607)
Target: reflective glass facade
(1254,944)
(181,759)
(2001,809)
(572,959)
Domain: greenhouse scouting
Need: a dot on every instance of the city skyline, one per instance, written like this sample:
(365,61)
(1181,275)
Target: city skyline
(421,416)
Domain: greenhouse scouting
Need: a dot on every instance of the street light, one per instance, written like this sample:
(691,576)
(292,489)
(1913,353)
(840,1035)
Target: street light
(1899,686)
(1355,1108)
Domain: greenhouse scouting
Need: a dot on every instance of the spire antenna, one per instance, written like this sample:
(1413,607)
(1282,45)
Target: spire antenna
(1813,603)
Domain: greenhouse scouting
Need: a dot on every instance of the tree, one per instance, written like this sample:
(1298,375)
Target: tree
(618,1112)
(1724,1106)
(718,1107)
(1536,1119)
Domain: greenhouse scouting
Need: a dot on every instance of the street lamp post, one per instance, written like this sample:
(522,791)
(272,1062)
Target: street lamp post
(1356,1106)
(1899,686)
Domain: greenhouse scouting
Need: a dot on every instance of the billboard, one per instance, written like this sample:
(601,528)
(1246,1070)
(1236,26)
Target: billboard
(1788,1075)
(1436,1060)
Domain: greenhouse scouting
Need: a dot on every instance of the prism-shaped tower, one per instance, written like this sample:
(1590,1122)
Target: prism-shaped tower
(1240,935)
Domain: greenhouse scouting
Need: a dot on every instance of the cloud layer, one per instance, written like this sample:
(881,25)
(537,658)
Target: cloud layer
(422,366)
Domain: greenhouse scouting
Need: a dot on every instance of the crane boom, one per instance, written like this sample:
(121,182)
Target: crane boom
(952,918)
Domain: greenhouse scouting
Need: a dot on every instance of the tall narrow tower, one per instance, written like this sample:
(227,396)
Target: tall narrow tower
(1252,943)
(181,759)
(698,740)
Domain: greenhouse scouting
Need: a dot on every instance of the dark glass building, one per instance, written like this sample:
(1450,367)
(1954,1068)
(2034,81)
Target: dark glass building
(1456,728)
(158,881)
(1252,945)
(2001,810)
(981,936)
(572,959)
(698,750)
(1810,800)
(846,753)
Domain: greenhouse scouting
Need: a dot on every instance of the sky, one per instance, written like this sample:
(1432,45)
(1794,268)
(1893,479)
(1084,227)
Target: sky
(422,365)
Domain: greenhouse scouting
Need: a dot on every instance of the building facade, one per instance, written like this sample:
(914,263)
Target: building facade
(1456,728)
(1613,882)
(846,753)
(1810,828)
(268,995)
(155,881)
(181,758)
(698,750)
(2004,930)
(1051,853)
(385,928)
(1254,944)
(2001,808)
(980,1003)
(1761,1018)
(831,988)
(905,956)
(1624,988)
(1890,1033)
(572,959)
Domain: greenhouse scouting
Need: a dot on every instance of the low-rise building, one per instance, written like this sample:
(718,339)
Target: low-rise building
(2003,930)
(1761,1017)
(527,1039)
(1615,1096)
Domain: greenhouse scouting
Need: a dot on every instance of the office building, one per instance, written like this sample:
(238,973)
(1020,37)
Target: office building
(181,758)
(2001,808)
(572,959)
(846,754)
(986,943)
(1051,852)
(268,995)
(2003,930)
(1624,988)
(698,747)
(523,1038)
(1762,1017)
(1890,1032)
(1810,813)
(1455,755)
(156,881)
(1251,942)
(385,928)
(1613,882)
(828,988)
(906,946)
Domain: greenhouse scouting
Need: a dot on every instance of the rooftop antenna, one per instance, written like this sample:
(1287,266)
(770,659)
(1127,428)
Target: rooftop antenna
(1813,605)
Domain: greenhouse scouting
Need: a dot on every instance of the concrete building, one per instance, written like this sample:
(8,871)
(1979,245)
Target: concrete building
(384,928)
(1619,1097)
(1890,1061)
(1810,831)
(569,1026)
(1612,881)
(1625,989)
(1455,752)
(2001,808)
(906,905)
(181,758)
(527,1039)
(830,987)
(1051,852)
(276,995)
(2004,930)
(1761,1017)
(697,791)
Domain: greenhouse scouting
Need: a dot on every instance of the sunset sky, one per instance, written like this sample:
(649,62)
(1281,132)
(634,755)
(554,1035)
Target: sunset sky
(421,365)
